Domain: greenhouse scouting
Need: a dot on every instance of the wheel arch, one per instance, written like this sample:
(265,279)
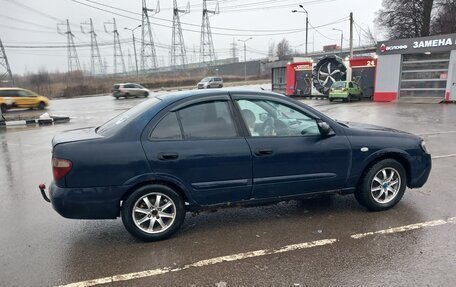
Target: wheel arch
(151,180)
(398,156)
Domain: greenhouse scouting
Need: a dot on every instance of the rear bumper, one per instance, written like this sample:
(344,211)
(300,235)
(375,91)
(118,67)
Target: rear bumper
(338,95)
(87,202)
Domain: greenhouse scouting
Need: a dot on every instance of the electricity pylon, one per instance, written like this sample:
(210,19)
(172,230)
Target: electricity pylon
(131,66)
(178,53)
(95,57)
(148,53)
(6,77)
(207,53)
(118,55)
(73,59)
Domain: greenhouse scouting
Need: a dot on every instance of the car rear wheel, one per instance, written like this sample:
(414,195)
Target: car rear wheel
(153,212)
(41,106)
(382,186)
(146,94)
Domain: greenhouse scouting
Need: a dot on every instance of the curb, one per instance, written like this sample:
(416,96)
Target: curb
(49,121)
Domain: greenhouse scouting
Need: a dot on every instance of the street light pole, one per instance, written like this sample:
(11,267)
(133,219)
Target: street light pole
(134,48)
(341,39)
(307,23)
(245,57)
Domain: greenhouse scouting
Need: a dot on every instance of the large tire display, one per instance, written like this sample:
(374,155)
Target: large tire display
(328,70)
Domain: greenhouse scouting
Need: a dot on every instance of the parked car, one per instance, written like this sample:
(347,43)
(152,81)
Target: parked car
(346,91)
(210,82)
(199,150)
(129,90)
(22,98)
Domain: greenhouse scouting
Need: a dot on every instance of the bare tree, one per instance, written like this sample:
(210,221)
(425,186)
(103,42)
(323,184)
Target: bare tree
(406,18)
(283,49)
(444,20)
(369,35)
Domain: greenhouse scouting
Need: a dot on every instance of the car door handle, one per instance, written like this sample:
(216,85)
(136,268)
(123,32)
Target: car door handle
(263,151)
(167,156)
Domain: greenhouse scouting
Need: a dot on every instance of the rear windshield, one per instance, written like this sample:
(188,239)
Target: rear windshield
(338,85)
(115,87)
(118,122)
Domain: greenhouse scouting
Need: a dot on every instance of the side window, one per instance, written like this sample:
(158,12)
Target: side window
(167,129)
(350,85)
(129,86)
(268,118)
(211,120)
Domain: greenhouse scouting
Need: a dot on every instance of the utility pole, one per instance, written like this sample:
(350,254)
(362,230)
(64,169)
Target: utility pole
(134,48)
(245,56)
(233,49)
(95,57)
(307,23)
(148,53)
(6,77)
(118,55)
(351,35)
(178,53)
(207,53)
(73,59)
(341,39)
(131,67)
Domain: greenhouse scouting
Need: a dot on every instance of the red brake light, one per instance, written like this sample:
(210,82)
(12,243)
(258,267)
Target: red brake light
(60,168)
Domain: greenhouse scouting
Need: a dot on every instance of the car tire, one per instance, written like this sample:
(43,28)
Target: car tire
(116,97)
(382,186)
(331,99)
(146,94)
(138,213)
(3,108)
(41,106)
(127,96)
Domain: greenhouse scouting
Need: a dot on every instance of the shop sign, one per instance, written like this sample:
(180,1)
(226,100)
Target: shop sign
(438,43)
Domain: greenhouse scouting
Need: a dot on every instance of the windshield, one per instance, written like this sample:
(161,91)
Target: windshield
(206,80)
(339,85)
(118,122)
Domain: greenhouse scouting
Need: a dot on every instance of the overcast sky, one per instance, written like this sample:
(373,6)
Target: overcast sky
(28,22)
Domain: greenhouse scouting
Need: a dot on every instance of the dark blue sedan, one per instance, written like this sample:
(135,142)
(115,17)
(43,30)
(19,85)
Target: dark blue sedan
(209,149)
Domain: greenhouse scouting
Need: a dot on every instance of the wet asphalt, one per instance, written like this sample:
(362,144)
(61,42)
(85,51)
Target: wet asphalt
(40,248)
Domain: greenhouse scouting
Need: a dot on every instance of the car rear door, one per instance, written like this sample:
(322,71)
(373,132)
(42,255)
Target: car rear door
(290,156)
(198,144)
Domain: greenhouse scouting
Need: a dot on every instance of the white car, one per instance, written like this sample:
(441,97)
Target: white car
(129,90)
(210,82)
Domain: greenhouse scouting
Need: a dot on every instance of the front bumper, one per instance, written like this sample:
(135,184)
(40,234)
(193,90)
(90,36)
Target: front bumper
(87,202)
(420,177)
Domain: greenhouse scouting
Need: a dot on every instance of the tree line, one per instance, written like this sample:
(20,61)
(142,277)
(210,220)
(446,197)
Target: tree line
(417,18)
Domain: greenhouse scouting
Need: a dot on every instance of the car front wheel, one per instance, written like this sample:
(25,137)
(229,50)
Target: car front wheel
(153,212)
(41,106)
(382,186)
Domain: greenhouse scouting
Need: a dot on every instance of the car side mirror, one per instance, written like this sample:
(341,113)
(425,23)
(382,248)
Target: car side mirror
(325,129)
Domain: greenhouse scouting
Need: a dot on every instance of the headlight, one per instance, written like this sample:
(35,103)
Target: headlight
(423,146)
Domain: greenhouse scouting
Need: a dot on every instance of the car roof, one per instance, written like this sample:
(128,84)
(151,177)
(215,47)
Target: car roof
(201,93)
(10,88)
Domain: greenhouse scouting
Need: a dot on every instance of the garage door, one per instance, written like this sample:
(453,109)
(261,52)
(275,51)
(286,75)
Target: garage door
(424,75)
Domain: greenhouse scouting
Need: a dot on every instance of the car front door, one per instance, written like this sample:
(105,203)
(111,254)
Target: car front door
(290,155)
(200,146)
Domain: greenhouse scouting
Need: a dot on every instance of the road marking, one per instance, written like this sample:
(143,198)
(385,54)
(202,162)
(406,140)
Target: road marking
(444,156)
(251,254)
(201,263)
(406,227)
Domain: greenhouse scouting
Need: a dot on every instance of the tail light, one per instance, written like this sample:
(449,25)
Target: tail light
(60,168)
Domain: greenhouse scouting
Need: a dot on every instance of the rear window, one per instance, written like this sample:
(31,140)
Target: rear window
(115,87)
(118,122)
(338,85)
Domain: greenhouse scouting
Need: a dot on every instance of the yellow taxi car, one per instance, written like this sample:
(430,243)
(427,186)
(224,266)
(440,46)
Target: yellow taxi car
(21,98)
